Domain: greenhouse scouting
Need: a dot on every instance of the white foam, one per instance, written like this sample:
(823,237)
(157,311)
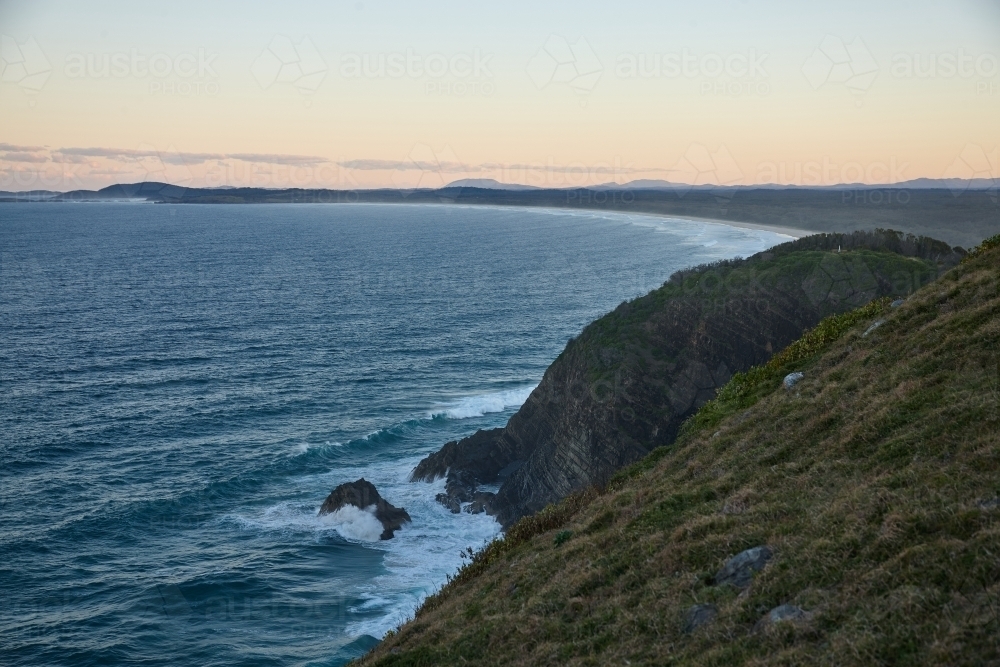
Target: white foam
(421,555)
(354,523)
(306,446)
(481,404)
(417,560)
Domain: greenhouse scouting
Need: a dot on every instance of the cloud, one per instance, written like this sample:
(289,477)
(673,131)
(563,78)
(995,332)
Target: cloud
(18,148)
(577,168)
(113,153)
(458,167)
(406,165)
(107,172)
(189,158)
(24,157)
(277,158)
(59,158)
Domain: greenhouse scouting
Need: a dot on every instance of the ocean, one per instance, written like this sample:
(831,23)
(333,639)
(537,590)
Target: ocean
(182,386)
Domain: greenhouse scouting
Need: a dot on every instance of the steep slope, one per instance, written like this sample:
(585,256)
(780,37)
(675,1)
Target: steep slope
(871,486)
(625,385)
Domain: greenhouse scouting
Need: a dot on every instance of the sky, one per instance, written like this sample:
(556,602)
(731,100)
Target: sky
(369,94)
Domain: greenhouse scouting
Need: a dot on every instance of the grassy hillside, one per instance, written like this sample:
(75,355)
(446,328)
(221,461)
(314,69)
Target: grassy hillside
(874,481)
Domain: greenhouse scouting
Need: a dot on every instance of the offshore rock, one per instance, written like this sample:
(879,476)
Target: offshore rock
(362,494)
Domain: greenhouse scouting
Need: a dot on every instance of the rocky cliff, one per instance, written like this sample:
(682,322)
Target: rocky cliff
(624,386)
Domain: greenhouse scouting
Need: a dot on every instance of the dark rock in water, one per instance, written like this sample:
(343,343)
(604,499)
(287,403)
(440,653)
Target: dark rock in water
(460,488)
(482,501)
(474,455)
(699,615)
(461,484)
(362,494)
(465,464)
(739,569)
(448,501)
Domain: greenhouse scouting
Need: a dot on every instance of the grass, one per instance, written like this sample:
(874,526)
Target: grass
(875,481)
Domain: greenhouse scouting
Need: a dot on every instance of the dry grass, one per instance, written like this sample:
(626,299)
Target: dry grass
(874,481)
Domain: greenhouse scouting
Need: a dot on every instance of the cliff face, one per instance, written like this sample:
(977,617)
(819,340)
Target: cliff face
(625,385)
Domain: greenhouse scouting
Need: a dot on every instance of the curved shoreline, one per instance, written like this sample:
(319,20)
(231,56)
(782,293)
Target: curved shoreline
(791,232)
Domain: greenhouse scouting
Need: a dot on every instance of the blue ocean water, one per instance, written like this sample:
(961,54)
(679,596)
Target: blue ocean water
(181,387)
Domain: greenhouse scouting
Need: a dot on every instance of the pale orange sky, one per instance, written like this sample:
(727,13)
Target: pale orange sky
(376,94)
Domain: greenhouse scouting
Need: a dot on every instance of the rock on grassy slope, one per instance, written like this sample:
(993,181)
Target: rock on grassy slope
(874,483)
(625,385)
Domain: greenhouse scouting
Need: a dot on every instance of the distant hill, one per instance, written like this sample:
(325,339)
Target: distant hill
(488,184)
(148,190)
(28,195)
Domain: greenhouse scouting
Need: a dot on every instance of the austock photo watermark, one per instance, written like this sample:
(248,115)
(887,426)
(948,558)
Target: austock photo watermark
(182,74)
(446,74)
(301,65)
(851,63)
(575,65)
(975,167)
(981,69)
(718,74)
(561,63)
(23,63)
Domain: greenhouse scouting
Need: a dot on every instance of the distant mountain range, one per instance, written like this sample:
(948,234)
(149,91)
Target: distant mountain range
(914,184)
(489,184)
(156,191)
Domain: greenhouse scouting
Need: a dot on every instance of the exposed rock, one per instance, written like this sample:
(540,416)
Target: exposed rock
(897,303)
(362,494)
(989,504)
(792,379)
(699,615)
(482,501)
(459,488)
(786,613)
(739,569)
(476,454)
(451,503)
(875,325)
(460,485)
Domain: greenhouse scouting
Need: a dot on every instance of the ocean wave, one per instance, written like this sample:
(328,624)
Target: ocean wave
(482,404)
(304,447)
(354,523)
